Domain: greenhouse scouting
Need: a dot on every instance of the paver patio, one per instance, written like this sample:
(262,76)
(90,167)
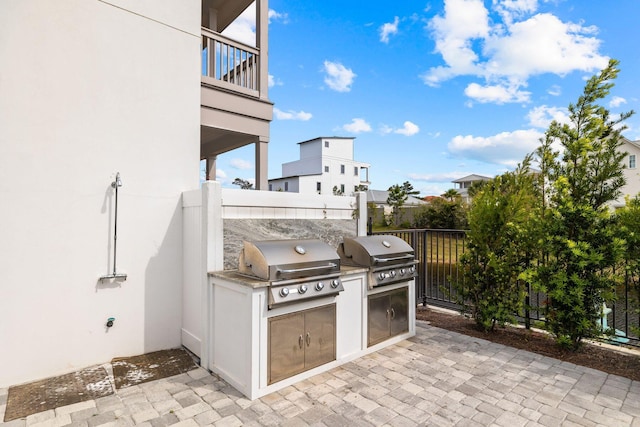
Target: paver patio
(437,378)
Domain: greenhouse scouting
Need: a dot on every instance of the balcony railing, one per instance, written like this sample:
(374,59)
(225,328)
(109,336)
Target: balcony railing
(229,63)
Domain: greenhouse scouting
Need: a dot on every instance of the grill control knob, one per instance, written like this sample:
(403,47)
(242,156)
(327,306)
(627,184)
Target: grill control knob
(335,283)
(402,271)
(302,289)
(284,292)
(382,276)
(319,286)
(412,269)
(392,274)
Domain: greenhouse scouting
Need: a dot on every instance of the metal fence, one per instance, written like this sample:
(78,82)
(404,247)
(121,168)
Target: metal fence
(438,253)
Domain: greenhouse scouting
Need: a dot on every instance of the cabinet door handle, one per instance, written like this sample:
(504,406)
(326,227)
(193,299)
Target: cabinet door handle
(387,313)
(308,339)
(393,314)
(300,341)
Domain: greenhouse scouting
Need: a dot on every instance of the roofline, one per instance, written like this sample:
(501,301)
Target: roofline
(332,137)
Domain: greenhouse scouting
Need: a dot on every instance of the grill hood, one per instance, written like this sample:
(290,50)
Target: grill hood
(377,250)
(287,259)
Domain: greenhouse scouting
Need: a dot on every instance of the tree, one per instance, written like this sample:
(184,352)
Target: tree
(451,194)
(579,241)
(336,191)
(500,246)
(441,214)
(407,187)
(244,184)
(361,187)
(396,199)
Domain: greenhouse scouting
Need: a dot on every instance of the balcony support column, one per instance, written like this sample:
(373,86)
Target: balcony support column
(262,43)
(211,168)
(262,182)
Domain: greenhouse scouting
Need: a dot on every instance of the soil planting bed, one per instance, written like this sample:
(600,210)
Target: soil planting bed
(604,358)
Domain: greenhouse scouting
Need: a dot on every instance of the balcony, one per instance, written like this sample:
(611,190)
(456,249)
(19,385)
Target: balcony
(235,110)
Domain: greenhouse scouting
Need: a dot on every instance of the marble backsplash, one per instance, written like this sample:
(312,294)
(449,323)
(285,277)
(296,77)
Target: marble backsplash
(330,231)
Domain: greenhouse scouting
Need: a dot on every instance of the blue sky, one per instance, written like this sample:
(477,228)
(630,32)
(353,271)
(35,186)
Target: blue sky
(435,90)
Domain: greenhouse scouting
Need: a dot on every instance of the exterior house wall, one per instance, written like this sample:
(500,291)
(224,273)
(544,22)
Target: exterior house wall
(631,171)
(90,88)
(316,155)
(305,166)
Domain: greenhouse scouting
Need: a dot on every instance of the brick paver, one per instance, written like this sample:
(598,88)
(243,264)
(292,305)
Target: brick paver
(437,378)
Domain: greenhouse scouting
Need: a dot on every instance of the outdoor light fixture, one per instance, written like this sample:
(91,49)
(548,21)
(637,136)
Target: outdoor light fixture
(115,275)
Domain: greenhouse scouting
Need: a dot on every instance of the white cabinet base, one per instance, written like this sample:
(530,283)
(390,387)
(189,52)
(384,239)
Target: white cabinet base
(238,346)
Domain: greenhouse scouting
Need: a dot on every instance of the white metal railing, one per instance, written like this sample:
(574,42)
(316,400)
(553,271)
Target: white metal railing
(230,62)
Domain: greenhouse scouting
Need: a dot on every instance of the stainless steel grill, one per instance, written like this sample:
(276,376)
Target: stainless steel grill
(296,270)
(388,258)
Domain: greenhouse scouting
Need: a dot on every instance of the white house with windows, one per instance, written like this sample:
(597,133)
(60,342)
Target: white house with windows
(631,172)
(326,166)
(462,185)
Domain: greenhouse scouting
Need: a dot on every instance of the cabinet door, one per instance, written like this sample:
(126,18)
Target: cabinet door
(378,324)
(286,346)
(399,312)
(320,336)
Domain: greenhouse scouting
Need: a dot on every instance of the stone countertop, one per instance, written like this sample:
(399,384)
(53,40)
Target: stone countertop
(254,282)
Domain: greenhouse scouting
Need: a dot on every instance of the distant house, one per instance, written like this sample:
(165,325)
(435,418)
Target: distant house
(325,164)
(631,172)
(379,199)
(462,185)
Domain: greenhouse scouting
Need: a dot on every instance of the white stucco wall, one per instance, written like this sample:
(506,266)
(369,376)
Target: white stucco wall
(632,174)
(89,88)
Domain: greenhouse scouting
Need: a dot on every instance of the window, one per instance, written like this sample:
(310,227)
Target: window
(632,161)
(286,186)
(341,188)
(326,144)
(326,168)
(355,171)
(342,169)
(270,187)
(318,187)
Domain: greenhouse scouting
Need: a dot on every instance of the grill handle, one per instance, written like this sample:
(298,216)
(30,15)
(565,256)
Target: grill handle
(398,258)
(318,267)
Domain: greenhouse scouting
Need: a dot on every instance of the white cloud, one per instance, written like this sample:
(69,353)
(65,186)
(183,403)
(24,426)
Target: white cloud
(409,129)
(506,148)
(338,77)
(542,116)
(617,101)
(438,177)
(243,28)
(385,129)
(389,28)
(357,125)
(554,90)
(272,81)
(276,16)
(240,164)
(291,115)
(499,94)
(506,53)
(511,9)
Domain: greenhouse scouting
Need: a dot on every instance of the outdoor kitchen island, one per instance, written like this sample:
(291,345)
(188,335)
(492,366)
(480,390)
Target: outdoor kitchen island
(243,353)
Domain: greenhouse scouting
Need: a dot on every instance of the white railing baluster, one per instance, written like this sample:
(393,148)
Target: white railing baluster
(230,61)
